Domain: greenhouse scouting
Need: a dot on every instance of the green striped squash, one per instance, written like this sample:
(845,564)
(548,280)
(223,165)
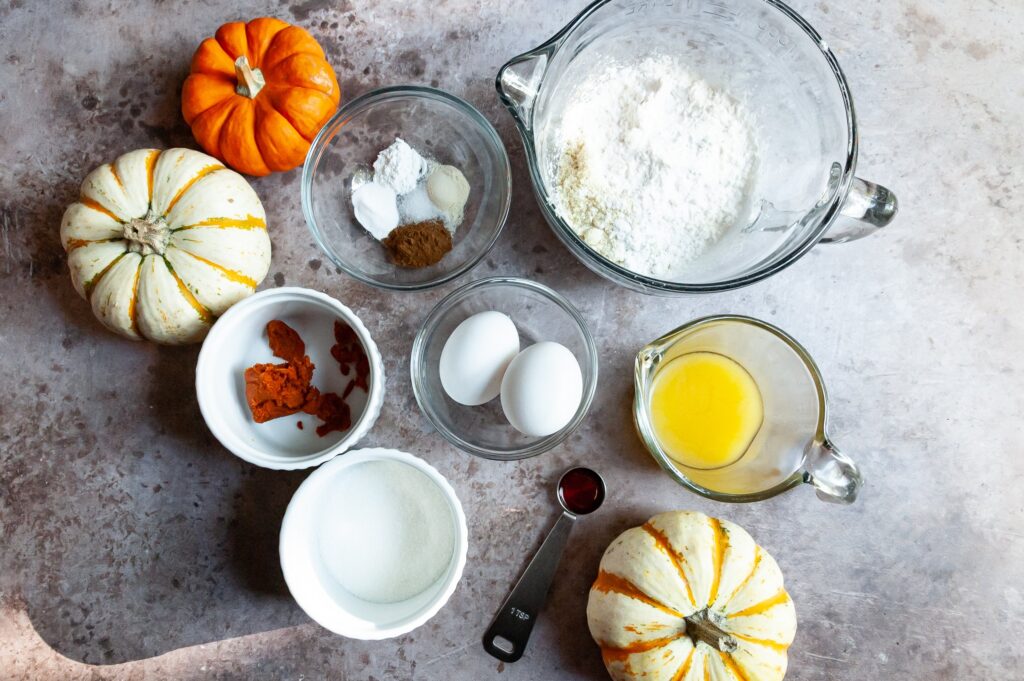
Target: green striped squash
(163,242)
(686,597)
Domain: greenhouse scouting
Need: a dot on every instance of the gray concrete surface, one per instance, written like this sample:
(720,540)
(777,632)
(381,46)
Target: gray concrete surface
(134,547)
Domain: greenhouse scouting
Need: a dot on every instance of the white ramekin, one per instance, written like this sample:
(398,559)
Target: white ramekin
(238,340)
(326,601)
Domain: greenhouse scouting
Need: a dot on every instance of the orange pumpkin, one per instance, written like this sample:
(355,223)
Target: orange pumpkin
(258,93)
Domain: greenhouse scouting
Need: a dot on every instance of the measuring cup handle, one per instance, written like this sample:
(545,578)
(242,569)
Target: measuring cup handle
(506,638)
(836,478)
(868,208)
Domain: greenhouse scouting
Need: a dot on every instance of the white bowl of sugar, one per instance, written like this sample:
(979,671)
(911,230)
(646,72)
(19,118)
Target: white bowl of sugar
(373,544)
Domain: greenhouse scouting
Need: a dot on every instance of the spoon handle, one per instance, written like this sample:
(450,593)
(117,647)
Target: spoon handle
(510,629)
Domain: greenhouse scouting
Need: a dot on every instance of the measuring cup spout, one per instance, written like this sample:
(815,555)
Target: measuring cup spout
(836,478)
(518,83)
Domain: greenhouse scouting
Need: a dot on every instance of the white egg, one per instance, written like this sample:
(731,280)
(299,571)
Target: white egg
(475,356)
(542,389)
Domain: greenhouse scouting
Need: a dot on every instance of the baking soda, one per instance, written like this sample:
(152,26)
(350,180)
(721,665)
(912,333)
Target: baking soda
(417,207)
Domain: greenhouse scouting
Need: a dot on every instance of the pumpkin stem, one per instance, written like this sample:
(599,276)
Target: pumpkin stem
(699,627)
(147,235)
(250,80)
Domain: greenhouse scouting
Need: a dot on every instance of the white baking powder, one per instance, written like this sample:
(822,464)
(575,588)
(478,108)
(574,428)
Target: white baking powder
(399,167)
(397,192)
(653,164)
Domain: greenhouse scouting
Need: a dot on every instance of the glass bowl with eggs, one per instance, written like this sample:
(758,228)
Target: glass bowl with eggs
(504,368)
(406,188)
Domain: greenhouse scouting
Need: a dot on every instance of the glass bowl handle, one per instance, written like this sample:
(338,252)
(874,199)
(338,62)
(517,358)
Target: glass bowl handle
(868,208)
(836,478)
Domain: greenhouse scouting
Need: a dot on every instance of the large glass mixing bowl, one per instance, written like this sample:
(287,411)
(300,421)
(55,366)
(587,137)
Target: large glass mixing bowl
(765,56)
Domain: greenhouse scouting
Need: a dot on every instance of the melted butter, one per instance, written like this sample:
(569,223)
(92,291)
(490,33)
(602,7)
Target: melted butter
(705,410)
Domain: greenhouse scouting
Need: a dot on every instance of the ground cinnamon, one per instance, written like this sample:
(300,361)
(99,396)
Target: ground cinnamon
(419,244)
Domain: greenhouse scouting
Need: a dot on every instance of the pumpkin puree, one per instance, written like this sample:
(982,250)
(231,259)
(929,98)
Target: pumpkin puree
(276,390)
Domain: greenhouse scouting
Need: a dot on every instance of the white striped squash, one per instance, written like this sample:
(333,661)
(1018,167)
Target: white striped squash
(687,597)
(163,242)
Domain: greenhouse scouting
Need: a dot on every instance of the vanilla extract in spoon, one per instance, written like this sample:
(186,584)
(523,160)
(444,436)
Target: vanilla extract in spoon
(581,491)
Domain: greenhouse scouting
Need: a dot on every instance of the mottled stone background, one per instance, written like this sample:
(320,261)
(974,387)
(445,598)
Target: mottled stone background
(133,546)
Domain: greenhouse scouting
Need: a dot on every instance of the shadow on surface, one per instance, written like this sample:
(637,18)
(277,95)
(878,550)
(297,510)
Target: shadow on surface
(153,537)
(166,587)
(131,532)
(255,528)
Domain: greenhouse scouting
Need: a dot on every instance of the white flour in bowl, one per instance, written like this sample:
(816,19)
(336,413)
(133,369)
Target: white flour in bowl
(653,164)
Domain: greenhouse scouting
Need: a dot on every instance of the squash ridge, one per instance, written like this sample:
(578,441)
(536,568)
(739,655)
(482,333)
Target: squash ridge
(746,580)
(609,653)
(204,314)
(731,665)
(230,275)
(92,283)
(117,177)
(269,103)
(767,643)
(203,172)
(677,560)
(274,47)
(73,244)
(685,667)
(612,583)
(151,160)
(721,544)
(98,207)
(258,121)
(286,114)
(133,302)
(767,604)
(248,222)
(255,41)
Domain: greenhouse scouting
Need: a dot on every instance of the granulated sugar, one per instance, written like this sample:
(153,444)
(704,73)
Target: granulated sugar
(388,533)
(653,165)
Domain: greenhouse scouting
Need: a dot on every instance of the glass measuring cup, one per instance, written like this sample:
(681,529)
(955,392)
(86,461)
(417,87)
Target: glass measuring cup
(765,56)
(791,446)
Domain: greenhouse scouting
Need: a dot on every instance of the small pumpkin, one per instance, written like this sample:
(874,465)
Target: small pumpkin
(258,93)
(687,597)
(162,242)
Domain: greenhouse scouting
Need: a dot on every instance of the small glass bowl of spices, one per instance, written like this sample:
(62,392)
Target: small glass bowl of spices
(406,188)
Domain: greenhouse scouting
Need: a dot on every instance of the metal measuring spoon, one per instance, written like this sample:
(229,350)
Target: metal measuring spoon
(580,491)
